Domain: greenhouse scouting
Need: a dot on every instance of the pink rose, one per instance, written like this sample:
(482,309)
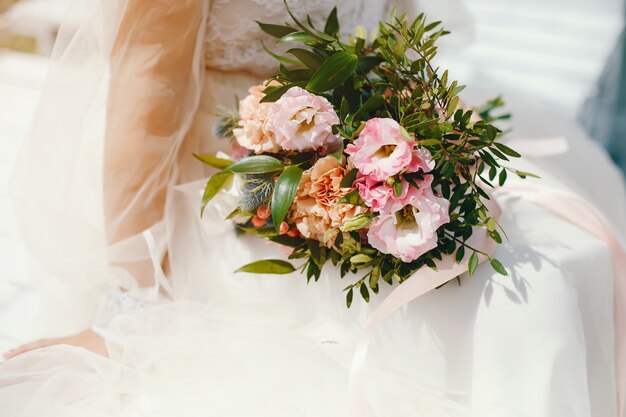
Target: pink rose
(301,121)
(384,149)
(251,134)
(381,197)
(411,232)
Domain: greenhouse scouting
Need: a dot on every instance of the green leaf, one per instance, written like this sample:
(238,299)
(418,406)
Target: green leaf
(333,72)
(366,63)
(497,266)
(292,242)
(373,103)
(276,93)
(365,293)
(502,177)
(360,258)
(375,276)
(284,193)
(260,231)
(349,297)
(429,142)
(460,253)
(332,23)
(349,178)
(215,184)
(277,31)
(431,26)
(452,106)
(268,266)
(397,187)
(213,161)
(300,37)
(344,108)
(523,174)
(258,164)
(473,263)
(352,197)
(308,58)
(279,57)
(506,150)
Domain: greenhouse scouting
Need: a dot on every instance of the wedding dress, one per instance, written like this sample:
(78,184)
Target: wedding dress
(198,339)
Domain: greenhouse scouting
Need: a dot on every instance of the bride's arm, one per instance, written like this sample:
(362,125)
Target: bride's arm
(151,90)
(151,66)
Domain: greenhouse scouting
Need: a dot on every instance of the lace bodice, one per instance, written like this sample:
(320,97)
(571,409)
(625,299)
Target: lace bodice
(233,39)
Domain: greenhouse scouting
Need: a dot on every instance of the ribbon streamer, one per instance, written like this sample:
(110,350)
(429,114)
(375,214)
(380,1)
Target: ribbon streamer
(569,207)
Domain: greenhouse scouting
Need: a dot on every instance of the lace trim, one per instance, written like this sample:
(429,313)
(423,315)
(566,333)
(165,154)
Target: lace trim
(233,39)
(117,302)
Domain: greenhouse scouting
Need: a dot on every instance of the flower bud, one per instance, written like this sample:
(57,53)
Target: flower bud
(264,212)
(357,222)
(258,222)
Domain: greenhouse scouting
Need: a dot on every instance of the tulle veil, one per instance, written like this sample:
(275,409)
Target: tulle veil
(57,185)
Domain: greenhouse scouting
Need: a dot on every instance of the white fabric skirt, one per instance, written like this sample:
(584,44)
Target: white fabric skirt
(536,343)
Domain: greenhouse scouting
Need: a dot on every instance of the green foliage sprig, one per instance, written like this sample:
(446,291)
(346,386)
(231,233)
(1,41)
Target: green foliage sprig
(393,76)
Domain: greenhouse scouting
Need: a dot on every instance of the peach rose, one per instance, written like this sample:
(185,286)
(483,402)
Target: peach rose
(251,134)
(315,211)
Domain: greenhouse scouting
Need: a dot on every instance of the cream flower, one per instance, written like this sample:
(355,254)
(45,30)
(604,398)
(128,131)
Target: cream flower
(251,134)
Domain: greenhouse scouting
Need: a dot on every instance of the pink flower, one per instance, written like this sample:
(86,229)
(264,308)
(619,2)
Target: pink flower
(411,232)
(251,133)
(381,197)
(301,121)
(384,149)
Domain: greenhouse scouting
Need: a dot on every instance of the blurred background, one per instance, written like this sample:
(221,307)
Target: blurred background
(565,55)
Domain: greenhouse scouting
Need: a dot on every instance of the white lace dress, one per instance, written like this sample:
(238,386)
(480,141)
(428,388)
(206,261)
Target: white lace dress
(208,342)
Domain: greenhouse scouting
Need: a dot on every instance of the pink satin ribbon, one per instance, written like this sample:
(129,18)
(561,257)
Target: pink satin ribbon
(568,206)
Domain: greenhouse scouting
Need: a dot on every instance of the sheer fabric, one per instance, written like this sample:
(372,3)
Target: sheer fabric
(106,188)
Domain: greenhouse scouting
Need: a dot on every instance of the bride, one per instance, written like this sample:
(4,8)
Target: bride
(108,196)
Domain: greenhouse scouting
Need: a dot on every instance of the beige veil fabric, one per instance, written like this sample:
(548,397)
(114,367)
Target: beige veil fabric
(92,175)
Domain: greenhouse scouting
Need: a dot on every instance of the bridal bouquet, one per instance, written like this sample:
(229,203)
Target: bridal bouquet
(359,152)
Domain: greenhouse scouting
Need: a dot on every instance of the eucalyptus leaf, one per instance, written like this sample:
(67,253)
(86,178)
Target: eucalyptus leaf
(213,161)
(214,185)
(284,193)
(258,164)
(268,266)
(333,72)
